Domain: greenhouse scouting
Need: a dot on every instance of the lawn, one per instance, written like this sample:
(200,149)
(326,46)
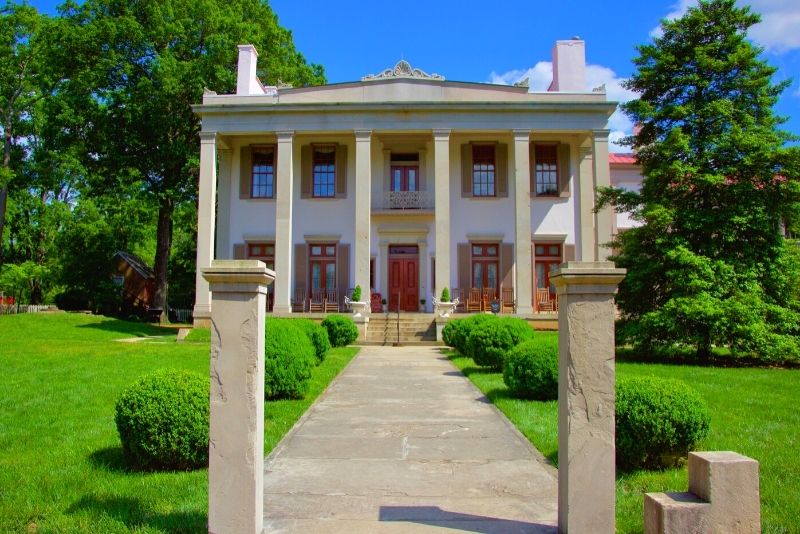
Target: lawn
(753,412)
(61,467)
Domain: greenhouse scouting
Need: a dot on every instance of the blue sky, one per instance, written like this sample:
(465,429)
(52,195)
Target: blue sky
(505,41)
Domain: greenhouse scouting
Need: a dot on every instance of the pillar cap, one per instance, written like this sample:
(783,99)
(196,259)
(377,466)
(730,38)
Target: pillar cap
(238,272)
(587,273)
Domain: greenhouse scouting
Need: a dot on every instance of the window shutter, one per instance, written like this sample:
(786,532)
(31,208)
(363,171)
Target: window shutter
(464,268)
(532,158)
(466,170)
(341,171)
(343,272)
(300,266)
(501,169)
(563,169)
(239,251)
(506,265)
(306,169)
(569,252)
(245,172)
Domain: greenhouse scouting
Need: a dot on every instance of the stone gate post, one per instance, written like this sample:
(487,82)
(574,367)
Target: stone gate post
(236,434)
(586,466)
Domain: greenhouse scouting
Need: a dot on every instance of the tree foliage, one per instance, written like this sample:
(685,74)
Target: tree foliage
(709,265)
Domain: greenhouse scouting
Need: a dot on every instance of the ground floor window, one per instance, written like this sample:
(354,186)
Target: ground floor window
(547,258)
(322,266)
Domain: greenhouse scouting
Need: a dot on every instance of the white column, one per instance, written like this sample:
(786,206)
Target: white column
(585,182)
(383,285)
(223,246)
(236,429)
(283,224)
(363,208)
(423,271)
(586,483)
(602,178)
(206,200)
(441,166)
(522,217)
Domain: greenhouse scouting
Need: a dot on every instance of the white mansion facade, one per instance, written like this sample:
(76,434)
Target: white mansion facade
(406,183)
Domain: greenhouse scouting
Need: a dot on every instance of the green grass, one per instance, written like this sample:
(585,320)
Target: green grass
(754,412)
(61,465)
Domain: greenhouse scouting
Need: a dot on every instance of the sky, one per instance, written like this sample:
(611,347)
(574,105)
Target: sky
(507,41)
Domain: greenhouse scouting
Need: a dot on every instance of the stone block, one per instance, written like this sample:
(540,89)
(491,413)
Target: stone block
(673,513)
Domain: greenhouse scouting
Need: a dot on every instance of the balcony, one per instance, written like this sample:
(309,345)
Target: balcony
(406,200)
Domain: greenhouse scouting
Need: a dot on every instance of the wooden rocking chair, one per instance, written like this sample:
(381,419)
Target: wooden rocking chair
(317,302)
(507,303)
(299,301)
(543,301)
(474,300)
(331,301)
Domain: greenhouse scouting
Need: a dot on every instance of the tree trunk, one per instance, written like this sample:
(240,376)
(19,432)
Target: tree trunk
(4,188)
(163,247)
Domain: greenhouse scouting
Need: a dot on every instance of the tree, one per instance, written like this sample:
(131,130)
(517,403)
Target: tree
(148,62)
(709,265)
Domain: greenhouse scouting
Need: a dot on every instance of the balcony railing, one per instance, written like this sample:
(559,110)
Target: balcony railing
(407,200)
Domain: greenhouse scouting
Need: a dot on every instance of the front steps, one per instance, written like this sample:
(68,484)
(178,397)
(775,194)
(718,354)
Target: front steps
(415,329)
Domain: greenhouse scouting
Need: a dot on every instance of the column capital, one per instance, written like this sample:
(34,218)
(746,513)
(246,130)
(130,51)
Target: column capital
(363,135)
(587,277)
(600,135)
(441,133)
(584,152)
(285,135)
(233,276)
(208,137)
(520,134)
(223,152)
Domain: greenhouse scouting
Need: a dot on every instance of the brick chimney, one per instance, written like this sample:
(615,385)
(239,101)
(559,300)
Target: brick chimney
(569,66)
(246,81)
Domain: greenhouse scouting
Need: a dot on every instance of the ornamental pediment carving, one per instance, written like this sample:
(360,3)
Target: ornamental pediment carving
(402,70)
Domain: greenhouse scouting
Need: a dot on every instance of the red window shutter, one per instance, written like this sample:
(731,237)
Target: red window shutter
(341,171)
(306,169)
(464,267)
(466,170)
(501,169)
(506,265)
(563,169)
(301,266)
(245,172)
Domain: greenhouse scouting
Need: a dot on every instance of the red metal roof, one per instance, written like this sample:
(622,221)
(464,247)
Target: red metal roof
(621,159)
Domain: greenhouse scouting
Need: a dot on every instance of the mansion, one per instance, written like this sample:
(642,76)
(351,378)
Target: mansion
(405,183)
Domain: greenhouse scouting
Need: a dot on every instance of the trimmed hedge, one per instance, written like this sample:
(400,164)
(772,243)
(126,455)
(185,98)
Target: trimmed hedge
(657,422)
(341,330)
(449,332)
(315,332)
(530,370)
(462,331)
(289,358)
(162,420)
(489,341)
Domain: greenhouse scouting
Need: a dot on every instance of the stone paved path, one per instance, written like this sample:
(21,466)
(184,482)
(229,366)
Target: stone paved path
(403,442)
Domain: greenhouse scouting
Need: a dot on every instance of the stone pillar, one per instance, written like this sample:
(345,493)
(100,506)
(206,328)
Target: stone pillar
(206,212)
(522,209)
(602,178)
(586,467)
(441,166)
(585,182)
(223,245)
(363,208)
(236,432)
(283,224)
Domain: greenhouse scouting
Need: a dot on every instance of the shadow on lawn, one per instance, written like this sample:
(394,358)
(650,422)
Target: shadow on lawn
(110,459)
(129,328)
(135,514)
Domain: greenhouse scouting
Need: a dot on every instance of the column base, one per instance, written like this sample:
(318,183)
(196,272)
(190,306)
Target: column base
(525,311)
(201,316)
(278,309)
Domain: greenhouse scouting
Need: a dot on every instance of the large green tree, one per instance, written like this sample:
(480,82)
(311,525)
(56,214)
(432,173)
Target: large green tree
(141,66)
(709,265)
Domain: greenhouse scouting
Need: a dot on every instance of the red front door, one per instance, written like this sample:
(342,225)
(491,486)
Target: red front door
(404,283)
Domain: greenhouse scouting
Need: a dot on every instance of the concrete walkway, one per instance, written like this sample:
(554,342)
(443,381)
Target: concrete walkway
(403,442)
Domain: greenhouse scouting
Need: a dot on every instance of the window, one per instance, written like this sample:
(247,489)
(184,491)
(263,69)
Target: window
(546,170)
(483,171)
(324,171)
(262,184)
(547,259)
(485,266)
(322,263)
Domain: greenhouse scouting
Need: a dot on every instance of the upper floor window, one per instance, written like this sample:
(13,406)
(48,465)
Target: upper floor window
(483,171)
(324,171)
(546,170)
(262,184)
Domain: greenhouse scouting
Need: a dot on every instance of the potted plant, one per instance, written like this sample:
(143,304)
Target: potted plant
(360,308)
(383,301)
(444,306)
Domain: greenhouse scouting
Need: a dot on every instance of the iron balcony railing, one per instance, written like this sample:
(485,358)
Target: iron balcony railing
(407,200)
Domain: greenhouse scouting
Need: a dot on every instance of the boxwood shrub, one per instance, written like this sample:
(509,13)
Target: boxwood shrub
(341,330)
(530,370)
(289,358)
(315,332)
(449,332)
(658,421)
(464,328)
(489,341)
(162,420)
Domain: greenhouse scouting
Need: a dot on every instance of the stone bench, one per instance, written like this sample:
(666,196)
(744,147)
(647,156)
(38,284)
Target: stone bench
(723,497)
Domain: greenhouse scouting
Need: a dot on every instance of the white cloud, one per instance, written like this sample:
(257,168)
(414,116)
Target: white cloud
(778,31)
(539,78)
